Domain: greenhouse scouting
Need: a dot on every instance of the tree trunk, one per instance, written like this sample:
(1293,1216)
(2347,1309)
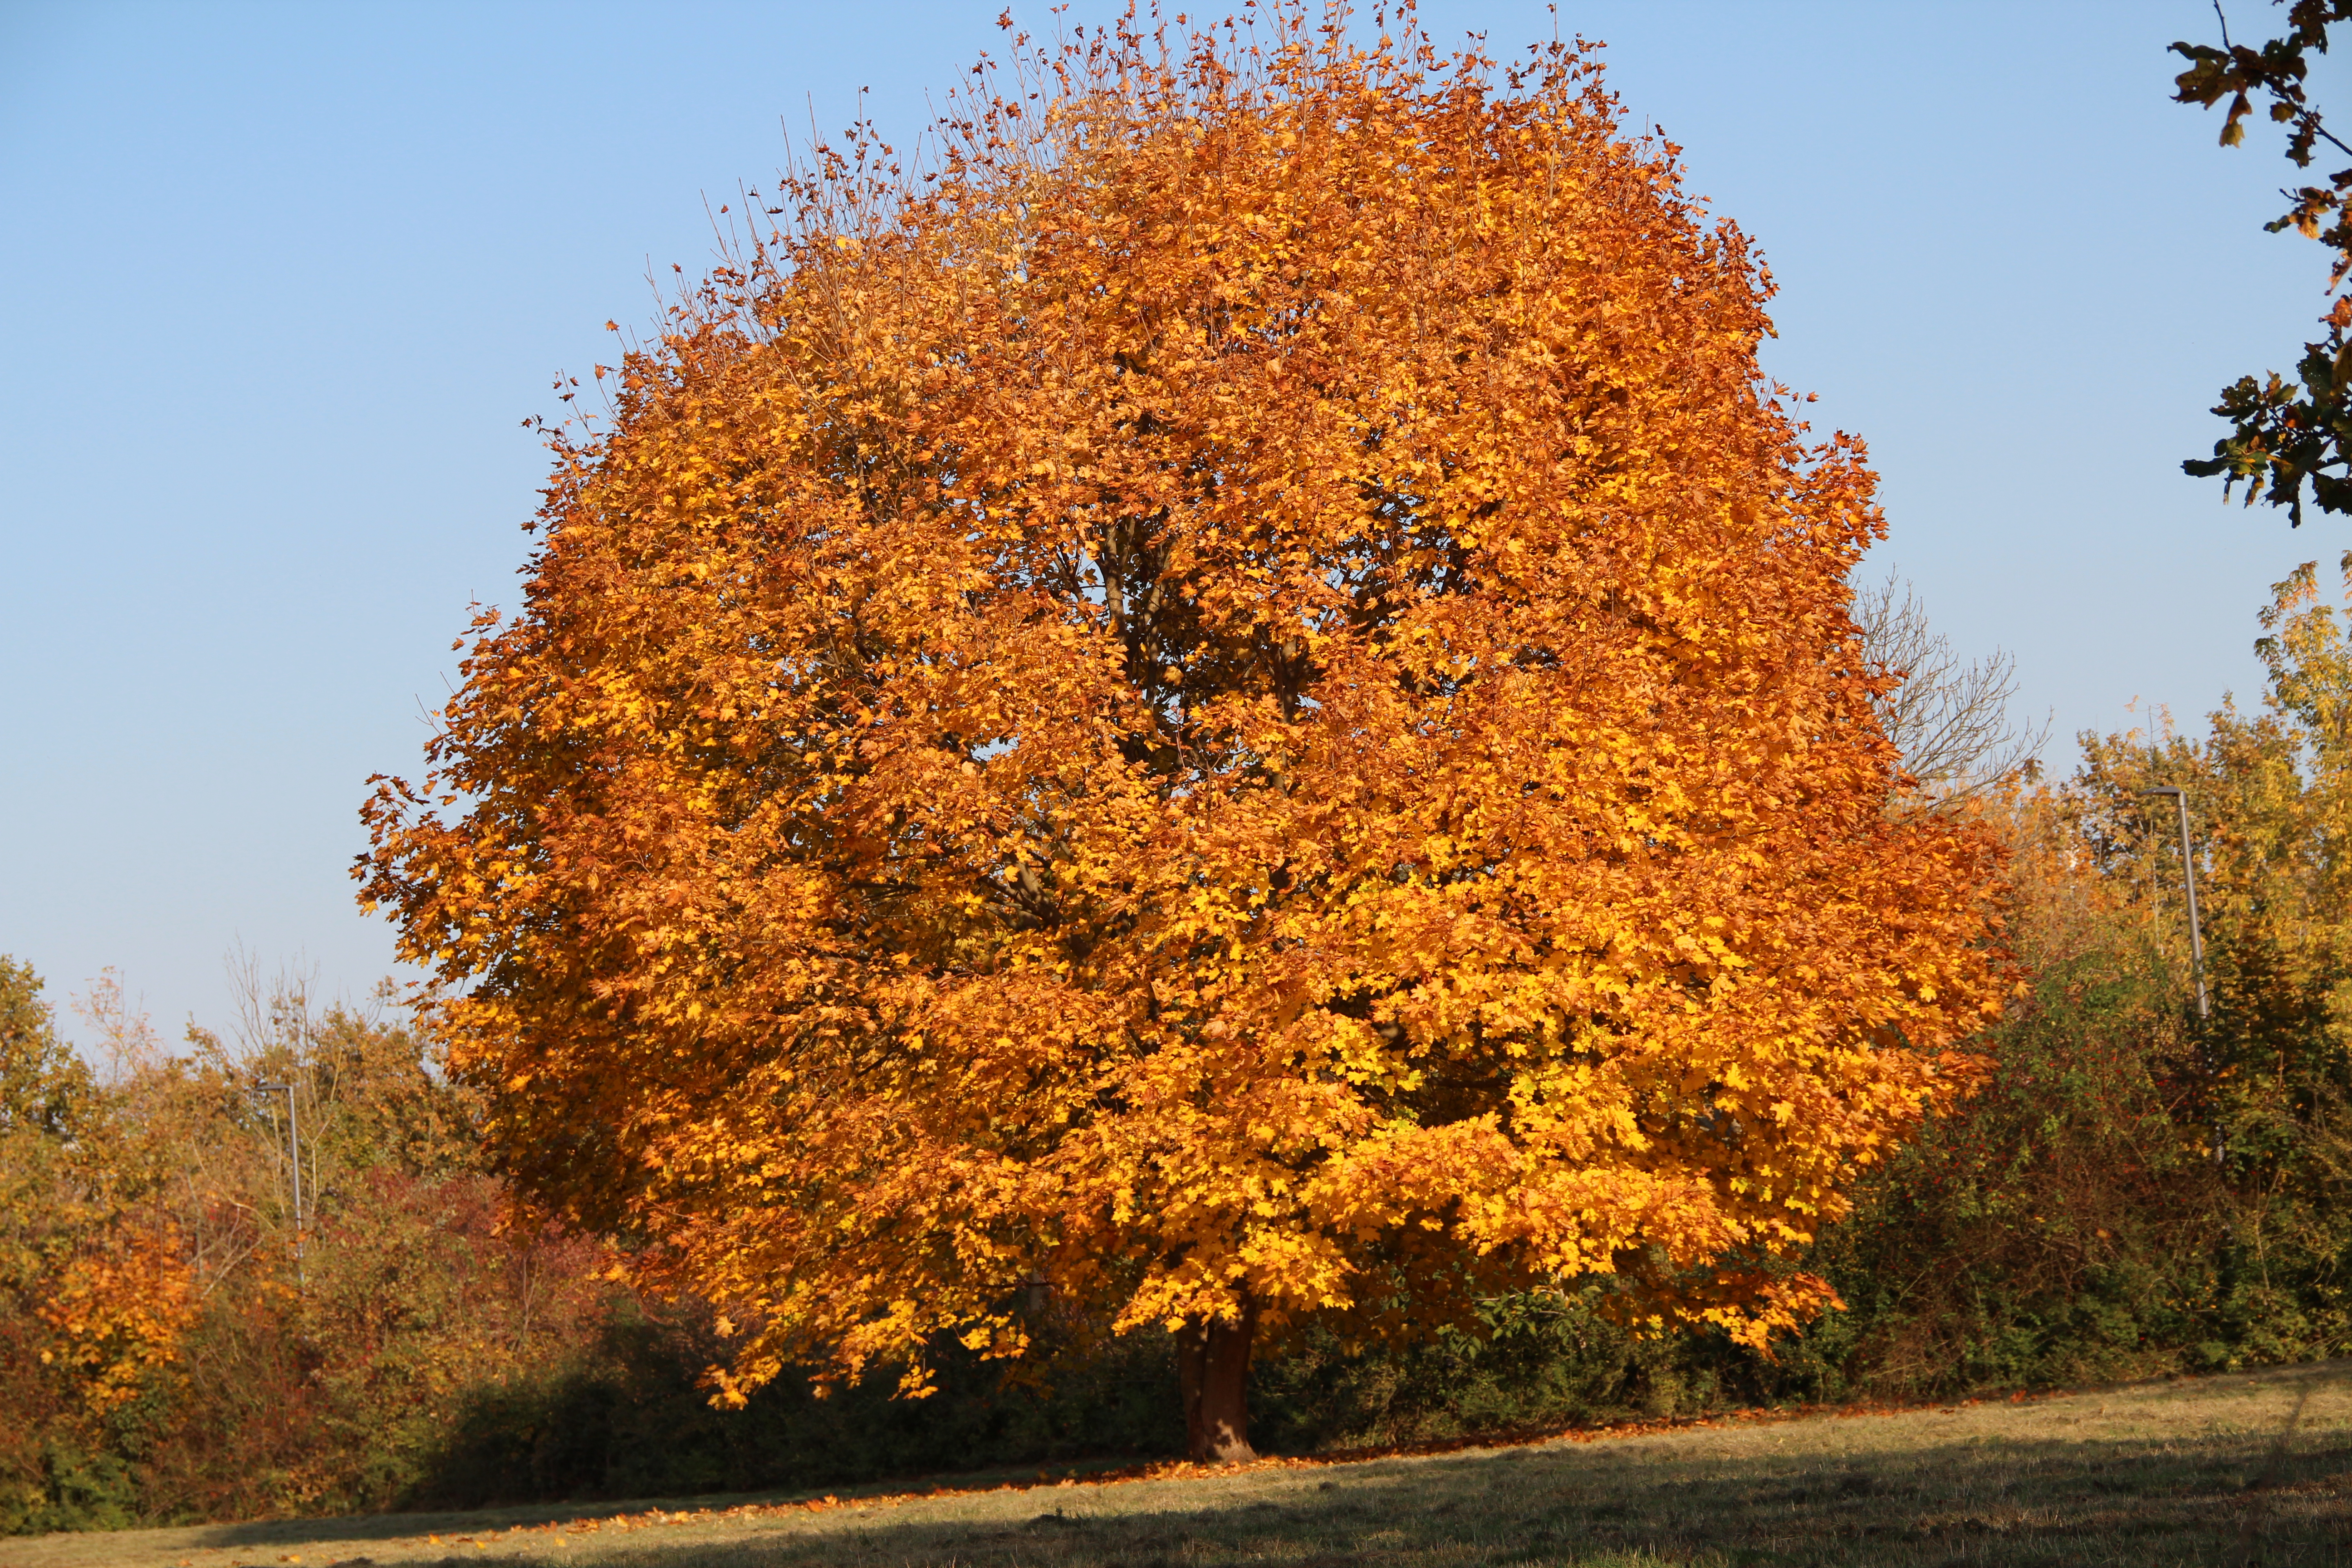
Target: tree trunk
(1213,1376)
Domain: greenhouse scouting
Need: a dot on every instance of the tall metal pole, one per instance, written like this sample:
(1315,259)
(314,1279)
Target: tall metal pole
(2188,881)
(294,1136)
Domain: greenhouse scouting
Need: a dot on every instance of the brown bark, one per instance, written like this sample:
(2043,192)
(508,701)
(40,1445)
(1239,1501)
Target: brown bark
(1213,1376)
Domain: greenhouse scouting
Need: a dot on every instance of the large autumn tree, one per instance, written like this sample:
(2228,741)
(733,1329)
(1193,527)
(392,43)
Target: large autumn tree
(1234,707)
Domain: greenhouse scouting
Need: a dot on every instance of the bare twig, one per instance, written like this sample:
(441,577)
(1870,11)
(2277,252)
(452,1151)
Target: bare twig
(1949,717)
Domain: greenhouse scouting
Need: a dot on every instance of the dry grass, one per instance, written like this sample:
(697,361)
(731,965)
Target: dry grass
(2255,1467)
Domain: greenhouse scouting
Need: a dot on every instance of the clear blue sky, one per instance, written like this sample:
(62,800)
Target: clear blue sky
(281,281)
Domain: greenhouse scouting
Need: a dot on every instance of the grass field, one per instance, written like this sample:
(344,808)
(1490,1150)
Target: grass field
(2255,1468)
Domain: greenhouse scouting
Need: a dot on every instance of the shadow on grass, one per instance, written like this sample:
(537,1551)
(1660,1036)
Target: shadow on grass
(454,1524)
(2223,1498)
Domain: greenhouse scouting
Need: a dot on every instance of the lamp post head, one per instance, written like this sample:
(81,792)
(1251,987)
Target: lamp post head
(2173,790)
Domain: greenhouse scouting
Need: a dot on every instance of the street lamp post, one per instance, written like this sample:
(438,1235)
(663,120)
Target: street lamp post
(294,1141)
(2188,881)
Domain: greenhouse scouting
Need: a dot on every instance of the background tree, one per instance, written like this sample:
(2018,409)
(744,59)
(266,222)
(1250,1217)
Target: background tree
(94,1291)
(1234,709)
(162,1357)
(1948,716)
(2285,434)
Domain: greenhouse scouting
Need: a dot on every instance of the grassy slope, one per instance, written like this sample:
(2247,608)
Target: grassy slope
(2249,1467)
